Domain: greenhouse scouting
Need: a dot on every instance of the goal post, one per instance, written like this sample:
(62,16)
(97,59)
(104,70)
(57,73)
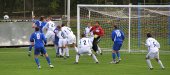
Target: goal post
(134,20)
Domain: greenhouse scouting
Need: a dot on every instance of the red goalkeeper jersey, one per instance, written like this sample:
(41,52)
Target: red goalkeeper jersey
(97,30)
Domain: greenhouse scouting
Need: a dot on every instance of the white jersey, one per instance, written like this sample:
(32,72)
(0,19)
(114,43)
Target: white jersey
(152,44)
(87,32)
(61,35)
(85,43)
(50,26)
(67,31)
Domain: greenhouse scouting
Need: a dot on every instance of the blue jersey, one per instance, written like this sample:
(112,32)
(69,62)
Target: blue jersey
(40,25)
(38,39)
(117,35)
(56,37)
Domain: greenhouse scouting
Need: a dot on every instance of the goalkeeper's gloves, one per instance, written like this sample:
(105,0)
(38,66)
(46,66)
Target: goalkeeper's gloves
(95,36)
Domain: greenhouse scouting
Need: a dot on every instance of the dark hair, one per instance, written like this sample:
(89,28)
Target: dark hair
(59,27)
(37,29)
(115,26)
(42,18)
(83,35)
(149,35)
(62,25)
(98,22)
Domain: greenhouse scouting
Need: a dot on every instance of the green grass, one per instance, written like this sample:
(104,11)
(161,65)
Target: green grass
(14,61)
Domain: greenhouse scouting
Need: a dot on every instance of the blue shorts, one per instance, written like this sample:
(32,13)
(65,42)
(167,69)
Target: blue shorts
(38,50)
(117,46)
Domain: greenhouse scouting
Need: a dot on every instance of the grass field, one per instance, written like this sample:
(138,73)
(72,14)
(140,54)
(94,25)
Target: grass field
(14,61)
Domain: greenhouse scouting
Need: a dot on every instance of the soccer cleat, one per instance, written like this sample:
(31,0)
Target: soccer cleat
(29,53)
(151,68)
(75,62)
(113,62)
(51,66)
(97,62)
(39,67)
(101,53)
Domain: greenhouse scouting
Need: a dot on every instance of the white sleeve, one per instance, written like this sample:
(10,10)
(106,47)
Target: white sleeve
(147,43)
(157,44)
(90,43)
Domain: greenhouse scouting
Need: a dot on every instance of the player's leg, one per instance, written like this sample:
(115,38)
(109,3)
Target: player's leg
(99,50)
(66,48)
(148,61)
(77,58)
(158,60)
(119,45)
(60,47)
(47,57)
(93,56)
(56,46)
(95,45)
(30,48)
(36,54)
(114,50)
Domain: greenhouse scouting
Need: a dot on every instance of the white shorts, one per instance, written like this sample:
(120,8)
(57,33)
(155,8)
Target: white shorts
(50,35)
(62,42)
(86,50)
(152,55)
(71,39)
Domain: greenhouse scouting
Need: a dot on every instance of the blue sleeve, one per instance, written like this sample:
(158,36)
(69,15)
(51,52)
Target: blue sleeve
(123,35)
(32,37)
(44,39)
(113,35)
(37,23)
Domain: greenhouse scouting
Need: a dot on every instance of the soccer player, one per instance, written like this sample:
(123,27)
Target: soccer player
(88,33)
(62,43)
(39,40)
(71,38)
(40,24)
(118,38)
(50,26)
(56,41)
(98,32)
(153,51)
(85,46)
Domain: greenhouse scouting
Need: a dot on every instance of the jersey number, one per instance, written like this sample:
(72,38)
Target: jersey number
(38,36)
(118,34)
(154,44)
(84,42)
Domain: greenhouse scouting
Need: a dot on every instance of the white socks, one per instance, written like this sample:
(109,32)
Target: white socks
(77,57)
(149,63)
(94,57)
(159,61)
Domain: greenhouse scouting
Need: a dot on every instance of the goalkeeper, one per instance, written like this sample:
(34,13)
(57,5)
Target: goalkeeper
(98,32)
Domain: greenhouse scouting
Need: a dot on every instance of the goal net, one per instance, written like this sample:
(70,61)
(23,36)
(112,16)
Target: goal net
(134,20)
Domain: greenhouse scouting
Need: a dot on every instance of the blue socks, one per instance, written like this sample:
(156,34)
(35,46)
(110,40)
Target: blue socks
(118,54)
(30,47)
(114,56)
(48,60)
(37,61)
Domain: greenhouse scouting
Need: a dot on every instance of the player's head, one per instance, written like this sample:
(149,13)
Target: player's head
(36,28)
(59,27)
(63,25)
(115,26)
(42,18)
(83,35)
(89,24)
(49,18)
(97,23)
(149,35)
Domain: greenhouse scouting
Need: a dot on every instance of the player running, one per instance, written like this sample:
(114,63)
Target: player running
(39,40)
(153,51)
(85,46)
(118,38)
(71,38)
(50,26)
